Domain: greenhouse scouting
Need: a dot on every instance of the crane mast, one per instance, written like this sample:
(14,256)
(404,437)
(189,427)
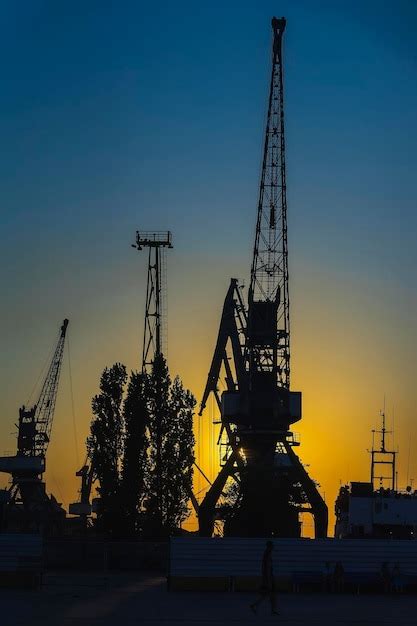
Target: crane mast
(269,272)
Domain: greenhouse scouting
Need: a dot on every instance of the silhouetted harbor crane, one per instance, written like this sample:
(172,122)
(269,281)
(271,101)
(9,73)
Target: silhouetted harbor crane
(253,352)
(27,503)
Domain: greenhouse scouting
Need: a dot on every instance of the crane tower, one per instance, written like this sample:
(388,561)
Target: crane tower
(253,353)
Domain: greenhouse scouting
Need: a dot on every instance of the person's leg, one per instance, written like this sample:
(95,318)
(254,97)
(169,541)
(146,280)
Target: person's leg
(273,601)
(261,598)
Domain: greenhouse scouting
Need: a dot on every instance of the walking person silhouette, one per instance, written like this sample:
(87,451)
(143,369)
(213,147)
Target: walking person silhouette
(267,588)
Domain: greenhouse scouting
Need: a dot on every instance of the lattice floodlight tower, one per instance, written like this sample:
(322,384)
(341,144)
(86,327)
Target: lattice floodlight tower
(153,343)
(253,353)
(155,336)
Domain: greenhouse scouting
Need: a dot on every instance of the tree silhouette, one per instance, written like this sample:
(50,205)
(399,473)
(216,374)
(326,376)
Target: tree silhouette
(160,383)
(142,450)
(171,454)
(178,456)
(105,445)
(135,458)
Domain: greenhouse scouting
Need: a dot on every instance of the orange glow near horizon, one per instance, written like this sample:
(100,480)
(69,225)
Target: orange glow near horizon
(339,347)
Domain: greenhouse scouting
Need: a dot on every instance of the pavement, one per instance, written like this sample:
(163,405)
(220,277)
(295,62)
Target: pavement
(95,599)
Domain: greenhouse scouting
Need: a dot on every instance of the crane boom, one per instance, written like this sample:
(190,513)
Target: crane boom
(45,406)
(35,424)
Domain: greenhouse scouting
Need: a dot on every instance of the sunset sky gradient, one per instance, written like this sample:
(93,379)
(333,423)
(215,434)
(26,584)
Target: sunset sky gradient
(123,116)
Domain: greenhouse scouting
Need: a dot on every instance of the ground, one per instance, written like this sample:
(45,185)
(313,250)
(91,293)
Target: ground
(124,600)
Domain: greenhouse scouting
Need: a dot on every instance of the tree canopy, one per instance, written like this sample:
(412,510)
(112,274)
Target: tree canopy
(142,447)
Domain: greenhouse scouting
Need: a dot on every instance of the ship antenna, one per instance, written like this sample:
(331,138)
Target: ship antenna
(383,456)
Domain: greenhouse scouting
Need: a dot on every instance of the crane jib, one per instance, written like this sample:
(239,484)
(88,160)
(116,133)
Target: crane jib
(35,424)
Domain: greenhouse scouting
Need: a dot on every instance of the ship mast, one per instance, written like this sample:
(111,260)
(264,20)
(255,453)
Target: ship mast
(382,457)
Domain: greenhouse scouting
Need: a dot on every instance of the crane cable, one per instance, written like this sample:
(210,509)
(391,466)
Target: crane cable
(41,374)
(58,489)
(199,451)
(74,424)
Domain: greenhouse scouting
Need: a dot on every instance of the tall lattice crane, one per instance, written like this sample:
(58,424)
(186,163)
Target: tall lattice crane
(253,352)
(33,436)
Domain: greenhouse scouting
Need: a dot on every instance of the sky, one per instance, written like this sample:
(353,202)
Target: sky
(117,116)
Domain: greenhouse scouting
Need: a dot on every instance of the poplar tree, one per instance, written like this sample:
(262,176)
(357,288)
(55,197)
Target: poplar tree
(135,458)
(159,385)
(142,451)
(171,453)
(105,444)
(178,456)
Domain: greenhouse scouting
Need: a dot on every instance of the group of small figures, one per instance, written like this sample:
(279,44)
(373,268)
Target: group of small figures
(392,578)
(334,578)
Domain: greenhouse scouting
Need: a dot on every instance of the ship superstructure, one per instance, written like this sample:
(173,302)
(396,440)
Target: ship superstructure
(377,508)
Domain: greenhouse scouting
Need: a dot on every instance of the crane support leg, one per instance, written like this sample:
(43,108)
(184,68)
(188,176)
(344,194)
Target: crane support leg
(318,506)
(207,509)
